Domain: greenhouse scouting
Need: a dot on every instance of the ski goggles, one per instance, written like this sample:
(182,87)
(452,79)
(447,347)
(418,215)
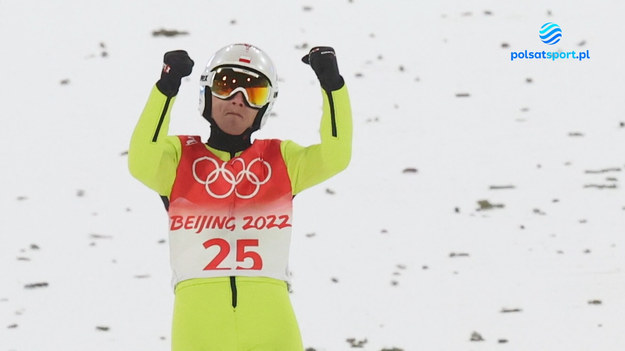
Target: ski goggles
(227,81)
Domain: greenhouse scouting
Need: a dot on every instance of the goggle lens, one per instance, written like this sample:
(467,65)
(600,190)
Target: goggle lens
(229,80)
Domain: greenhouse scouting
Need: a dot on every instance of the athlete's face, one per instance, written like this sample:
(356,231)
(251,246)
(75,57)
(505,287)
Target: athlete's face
(233,116)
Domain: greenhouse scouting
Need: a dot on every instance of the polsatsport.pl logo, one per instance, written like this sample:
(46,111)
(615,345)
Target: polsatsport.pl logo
(550,33)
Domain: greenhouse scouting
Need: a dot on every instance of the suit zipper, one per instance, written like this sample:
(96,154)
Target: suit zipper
(161,120)
(233,287)
(332,113)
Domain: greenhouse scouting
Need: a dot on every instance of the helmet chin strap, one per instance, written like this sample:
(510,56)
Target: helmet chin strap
(258,120)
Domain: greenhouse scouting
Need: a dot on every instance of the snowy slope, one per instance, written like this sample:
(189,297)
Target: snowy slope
(395,252)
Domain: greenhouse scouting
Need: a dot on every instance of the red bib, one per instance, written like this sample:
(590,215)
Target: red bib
(230,218)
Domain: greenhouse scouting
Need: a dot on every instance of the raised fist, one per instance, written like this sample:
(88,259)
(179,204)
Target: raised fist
(176,65)
(322,59)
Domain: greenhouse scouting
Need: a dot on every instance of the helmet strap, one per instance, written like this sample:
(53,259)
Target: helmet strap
(259,118)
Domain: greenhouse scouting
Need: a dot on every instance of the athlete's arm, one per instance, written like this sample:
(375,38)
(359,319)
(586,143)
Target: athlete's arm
(153,155)
(308,166)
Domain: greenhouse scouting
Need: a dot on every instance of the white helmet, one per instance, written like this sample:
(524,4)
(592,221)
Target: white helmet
(243,57)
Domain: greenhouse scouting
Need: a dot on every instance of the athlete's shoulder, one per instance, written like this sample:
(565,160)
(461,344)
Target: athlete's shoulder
(189,140)
(268,140)
(267,143)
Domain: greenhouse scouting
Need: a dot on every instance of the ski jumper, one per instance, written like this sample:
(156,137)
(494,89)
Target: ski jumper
(230,224)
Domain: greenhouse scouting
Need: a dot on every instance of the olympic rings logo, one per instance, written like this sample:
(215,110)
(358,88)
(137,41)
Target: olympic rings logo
(221,172)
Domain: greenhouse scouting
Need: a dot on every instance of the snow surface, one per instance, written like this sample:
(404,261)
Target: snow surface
(395,253)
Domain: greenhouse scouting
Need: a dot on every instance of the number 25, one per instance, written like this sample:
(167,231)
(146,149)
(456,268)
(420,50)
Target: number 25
(241,255)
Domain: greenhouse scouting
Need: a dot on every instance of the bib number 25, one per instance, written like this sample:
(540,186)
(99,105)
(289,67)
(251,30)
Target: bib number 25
(244,250)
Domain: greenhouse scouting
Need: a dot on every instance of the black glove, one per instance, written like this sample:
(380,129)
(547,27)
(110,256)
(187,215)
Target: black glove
(322,59)
(176,65)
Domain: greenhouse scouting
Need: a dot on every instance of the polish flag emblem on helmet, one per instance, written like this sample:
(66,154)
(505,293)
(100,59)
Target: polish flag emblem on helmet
(245,59)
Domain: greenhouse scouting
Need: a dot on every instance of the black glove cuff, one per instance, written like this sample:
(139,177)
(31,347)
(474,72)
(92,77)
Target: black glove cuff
(332,84)
(168,85)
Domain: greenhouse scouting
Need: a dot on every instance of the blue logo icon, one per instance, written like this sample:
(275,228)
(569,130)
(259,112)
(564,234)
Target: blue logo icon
(550,33)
